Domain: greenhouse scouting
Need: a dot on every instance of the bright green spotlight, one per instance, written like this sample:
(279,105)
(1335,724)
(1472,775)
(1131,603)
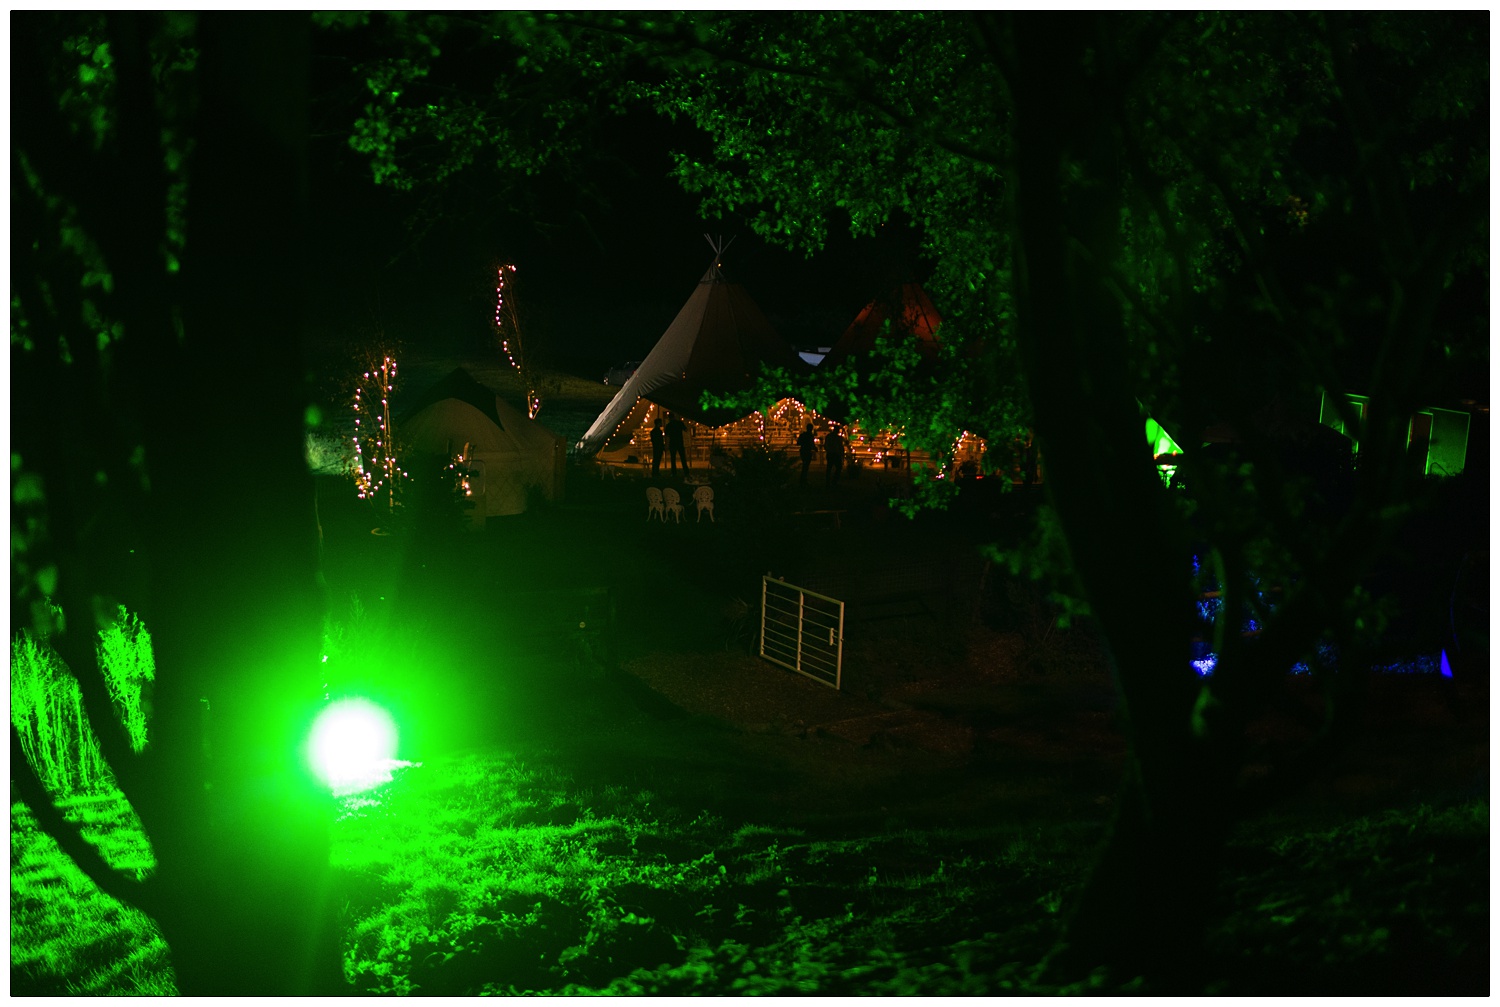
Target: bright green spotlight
(352,746)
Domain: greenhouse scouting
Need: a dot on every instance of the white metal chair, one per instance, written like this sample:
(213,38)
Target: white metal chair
(654,500)
(674,504)
(703,497)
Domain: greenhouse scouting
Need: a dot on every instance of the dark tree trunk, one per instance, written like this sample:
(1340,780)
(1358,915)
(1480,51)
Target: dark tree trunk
(1142,910)
(240,830)
(208,382)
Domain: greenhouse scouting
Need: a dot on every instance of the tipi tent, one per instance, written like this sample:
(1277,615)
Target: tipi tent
(911,313)
(507,452)
(716,343)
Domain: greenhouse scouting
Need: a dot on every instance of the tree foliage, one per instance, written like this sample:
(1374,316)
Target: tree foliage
(458,109)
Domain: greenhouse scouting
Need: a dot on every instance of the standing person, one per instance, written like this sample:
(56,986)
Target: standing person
(833,447)
(658,446)
(805,443)
(674,442)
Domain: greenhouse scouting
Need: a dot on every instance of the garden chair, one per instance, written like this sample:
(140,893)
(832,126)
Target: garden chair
(654,500)
(703,497)
(674,505)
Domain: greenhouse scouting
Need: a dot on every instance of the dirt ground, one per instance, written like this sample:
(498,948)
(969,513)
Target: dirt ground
(983,742)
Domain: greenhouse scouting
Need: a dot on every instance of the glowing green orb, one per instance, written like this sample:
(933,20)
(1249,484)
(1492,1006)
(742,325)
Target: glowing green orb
(352,745)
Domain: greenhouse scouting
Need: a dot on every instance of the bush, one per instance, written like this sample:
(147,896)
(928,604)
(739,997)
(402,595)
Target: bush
(127,661)
(46,705)
(46,709)
(758,467)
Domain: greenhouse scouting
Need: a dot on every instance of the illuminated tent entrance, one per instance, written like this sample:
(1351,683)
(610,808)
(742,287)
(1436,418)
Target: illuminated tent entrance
(776,428)
(506,453)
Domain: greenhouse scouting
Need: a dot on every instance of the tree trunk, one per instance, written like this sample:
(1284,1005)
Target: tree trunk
(240,829)
(1142,910)
(242,890)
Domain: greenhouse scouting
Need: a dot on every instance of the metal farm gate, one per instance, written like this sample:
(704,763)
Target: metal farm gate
(802,630)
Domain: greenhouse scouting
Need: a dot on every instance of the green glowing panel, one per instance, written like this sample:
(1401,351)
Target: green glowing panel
(1328,415)
(352,745)
(1161,442)
(1449,443)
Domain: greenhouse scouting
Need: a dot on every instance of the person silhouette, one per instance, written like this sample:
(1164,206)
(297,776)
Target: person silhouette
(833,447)
(658,447)
(806,443)
(675,430)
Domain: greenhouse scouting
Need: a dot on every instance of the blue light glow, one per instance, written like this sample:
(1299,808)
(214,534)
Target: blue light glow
(1426,664)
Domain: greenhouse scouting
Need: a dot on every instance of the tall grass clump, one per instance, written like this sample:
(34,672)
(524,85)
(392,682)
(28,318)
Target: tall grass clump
(127,661)
(46,709)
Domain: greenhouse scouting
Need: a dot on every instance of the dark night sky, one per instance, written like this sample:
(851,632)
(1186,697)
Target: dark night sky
(601,279)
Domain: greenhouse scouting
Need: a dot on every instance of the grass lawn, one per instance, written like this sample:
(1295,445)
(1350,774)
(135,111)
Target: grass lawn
(487,873)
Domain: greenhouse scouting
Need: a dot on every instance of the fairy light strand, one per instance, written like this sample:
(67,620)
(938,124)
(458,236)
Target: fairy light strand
(777,427)
(376,467)
(508,329)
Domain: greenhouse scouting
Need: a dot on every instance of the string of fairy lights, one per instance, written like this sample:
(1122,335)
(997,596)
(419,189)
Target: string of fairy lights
(375,464)
(463,474)
(780,425)
(784,421)
(508,328)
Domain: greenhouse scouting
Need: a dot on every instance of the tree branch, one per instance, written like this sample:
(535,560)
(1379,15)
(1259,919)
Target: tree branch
(827,79)
(1127,292)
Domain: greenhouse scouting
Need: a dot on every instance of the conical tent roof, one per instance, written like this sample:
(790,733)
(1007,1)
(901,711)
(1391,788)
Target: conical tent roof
(716,343)
(911,313)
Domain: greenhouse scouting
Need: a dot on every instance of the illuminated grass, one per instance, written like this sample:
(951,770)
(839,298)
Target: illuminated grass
(485,873)
(67,937)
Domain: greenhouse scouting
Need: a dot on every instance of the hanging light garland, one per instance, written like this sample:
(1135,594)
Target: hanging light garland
(462,472)
(508,328)
(376,468)
(967,448)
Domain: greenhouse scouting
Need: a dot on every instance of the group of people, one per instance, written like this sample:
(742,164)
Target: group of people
(668,439)
(833,451)
(664,437)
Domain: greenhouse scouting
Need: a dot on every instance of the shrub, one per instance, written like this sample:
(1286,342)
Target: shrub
(758,467)
(127,661)
(46,709)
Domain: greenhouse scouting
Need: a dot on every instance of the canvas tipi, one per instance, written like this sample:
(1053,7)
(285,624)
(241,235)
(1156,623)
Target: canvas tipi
(507,453)
(716,343)
(911,314)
